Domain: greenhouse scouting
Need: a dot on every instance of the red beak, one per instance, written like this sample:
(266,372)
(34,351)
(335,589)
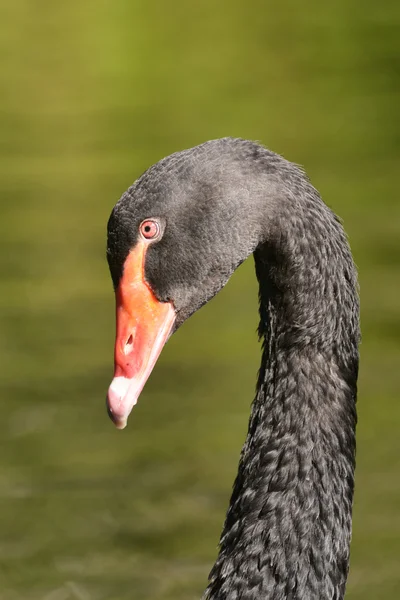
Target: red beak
(143,327)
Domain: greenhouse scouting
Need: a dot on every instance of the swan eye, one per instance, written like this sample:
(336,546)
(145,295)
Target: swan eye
(150,229)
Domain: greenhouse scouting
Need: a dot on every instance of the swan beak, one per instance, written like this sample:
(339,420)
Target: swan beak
(143,327)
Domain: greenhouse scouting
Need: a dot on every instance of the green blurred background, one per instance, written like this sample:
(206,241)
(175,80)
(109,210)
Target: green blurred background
(91,93)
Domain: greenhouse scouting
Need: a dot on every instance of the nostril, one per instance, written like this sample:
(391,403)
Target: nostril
(128,344)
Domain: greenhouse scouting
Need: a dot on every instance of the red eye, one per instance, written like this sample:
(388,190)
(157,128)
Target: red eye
(149,229)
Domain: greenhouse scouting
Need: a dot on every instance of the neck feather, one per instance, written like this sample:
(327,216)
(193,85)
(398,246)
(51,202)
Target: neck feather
(288,527)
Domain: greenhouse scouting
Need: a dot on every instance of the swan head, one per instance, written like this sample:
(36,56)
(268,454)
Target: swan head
(174,239)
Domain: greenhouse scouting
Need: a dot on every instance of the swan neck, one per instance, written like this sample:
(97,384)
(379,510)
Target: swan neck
(288,527)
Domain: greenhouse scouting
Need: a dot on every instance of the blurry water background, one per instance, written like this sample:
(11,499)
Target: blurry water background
(91,93)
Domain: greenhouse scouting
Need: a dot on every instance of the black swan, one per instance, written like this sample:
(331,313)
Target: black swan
(174,239)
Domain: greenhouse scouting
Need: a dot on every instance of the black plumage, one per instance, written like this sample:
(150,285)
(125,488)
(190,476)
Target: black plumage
(288,526)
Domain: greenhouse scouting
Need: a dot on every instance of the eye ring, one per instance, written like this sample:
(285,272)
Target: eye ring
(150,229)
